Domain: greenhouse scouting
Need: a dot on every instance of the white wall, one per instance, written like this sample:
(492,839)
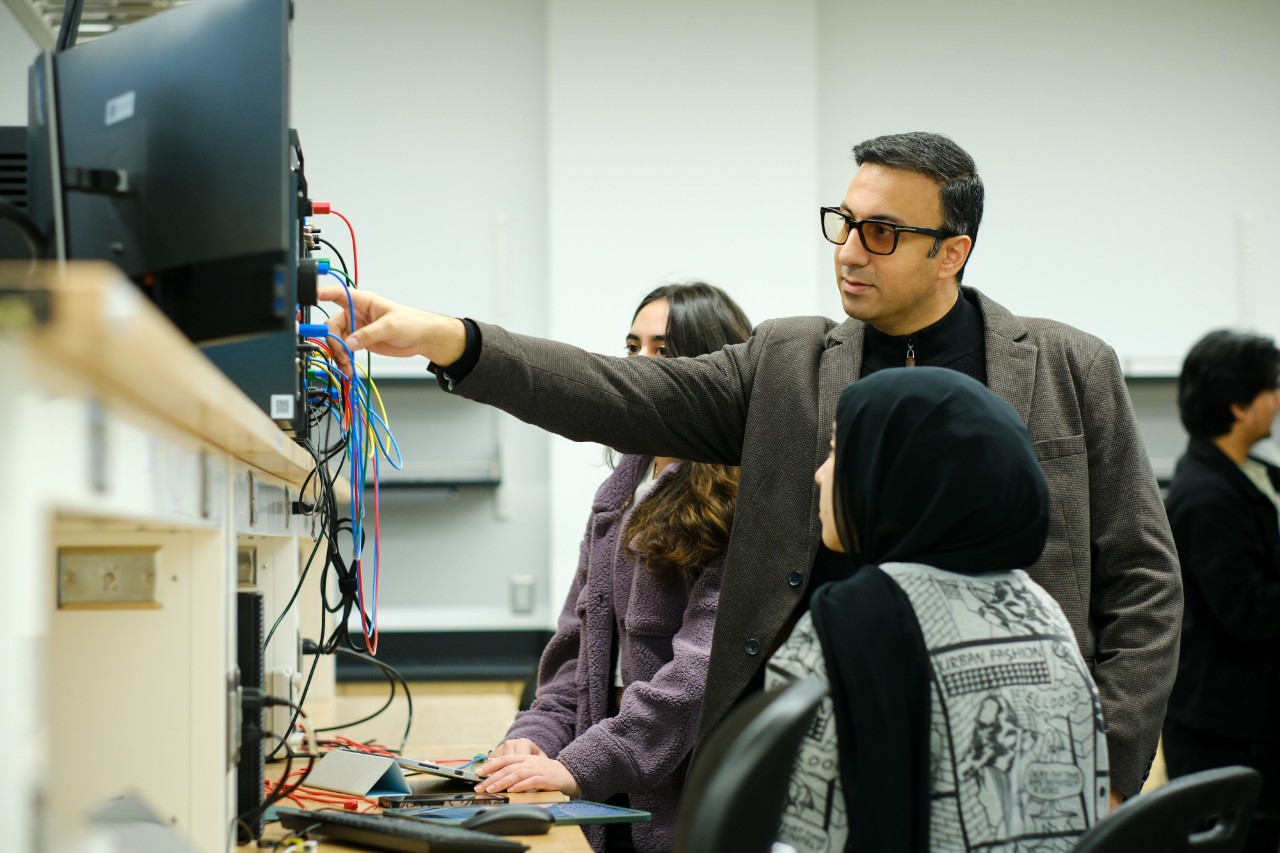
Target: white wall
(682,145)
(17,51)
(1127,150)
(607,149)
(425,124)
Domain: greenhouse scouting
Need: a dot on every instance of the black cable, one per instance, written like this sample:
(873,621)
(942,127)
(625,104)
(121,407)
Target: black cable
(342,263)
(284,789)
(321,459)
(326,413)
(348,582)
(393,675)
(293,721)
(302,577)
(302,698)
(347,579)
(385,705)
(328,508)
(30,233)
(70,26)
(333,526)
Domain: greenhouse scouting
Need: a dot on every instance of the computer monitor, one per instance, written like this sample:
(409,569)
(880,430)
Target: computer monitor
(172,158)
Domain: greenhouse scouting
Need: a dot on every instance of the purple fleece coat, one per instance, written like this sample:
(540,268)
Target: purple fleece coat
(644,750)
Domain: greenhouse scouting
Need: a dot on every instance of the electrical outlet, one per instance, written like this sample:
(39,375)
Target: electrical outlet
(522,587)
(280,685)
(109,577)
(246,565)
(235,719)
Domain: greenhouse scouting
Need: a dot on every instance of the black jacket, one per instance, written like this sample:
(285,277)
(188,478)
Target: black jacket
(1228,540)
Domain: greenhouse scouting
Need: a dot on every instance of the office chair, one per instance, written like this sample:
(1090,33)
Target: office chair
(737,787)
(1205,812)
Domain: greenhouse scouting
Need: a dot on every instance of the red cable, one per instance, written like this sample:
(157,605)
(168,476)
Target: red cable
(371,748)
(299,793)
(355,255)
(377,546)
(370,636)
(348,412)
(322,207)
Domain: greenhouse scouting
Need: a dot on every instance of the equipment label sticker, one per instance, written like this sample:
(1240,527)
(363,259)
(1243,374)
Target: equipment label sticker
(120,108)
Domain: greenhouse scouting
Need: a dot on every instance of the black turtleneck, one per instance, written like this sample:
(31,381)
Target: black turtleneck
(955,341)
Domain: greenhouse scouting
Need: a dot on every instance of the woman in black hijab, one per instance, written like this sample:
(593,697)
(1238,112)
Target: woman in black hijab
(962,716)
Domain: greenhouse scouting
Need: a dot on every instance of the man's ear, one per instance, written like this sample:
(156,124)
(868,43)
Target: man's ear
(953,254)
(1238,411)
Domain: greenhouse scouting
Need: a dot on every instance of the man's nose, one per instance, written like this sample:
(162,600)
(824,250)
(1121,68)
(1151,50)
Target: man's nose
(852,253)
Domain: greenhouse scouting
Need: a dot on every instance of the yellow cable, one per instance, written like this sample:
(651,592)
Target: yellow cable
(370,428)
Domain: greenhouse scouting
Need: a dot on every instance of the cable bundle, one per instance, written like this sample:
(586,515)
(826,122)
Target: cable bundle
(350,401)
(367,440)
(351,406)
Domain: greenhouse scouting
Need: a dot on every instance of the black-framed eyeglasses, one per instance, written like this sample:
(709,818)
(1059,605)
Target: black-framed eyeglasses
(878,237)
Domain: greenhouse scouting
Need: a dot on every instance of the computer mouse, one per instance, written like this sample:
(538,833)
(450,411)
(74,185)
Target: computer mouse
(512,819)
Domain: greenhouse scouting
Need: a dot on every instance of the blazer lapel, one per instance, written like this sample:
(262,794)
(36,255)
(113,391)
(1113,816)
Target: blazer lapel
(1011,358)
(841,364)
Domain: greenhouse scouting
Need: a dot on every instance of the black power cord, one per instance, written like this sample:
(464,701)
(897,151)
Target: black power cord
(255,698)
(70,26)
(333,527)
(393,677)
(14,215)
(341,261)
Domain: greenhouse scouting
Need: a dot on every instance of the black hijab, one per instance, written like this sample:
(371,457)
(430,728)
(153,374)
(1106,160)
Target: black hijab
(930,467)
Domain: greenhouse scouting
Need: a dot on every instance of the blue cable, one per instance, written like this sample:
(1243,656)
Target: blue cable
(364,420)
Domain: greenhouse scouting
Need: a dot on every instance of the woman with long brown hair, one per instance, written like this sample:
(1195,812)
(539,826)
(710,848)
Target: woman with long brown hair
(620,684)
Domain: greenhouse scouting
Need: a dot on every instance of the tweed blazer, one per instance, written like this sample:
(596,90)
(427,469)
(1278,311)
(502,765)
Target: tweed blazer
(767,405)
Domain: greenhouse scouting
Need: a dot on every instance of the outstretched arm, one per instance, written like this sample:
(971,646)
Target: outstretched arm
(691,408)
(388,328)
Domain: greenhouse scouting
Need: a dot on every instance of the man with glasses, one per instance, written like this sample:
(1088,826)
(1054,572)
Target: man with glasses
(768,404)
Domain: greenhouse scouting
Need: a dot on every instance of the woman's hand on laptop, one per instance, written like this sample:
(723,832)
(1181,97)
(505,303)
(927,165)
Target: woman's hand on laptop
(515,746)
(518,773)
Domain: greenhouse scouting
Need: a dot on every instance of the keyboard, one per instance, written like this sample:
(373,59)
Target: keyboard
(391,833)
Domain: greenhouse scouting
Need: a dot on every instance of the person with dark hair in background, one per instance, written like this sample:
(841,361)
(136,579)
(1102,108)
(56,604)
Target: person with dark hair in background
(620,685)
(962,716)
(1225,514)
(903,235)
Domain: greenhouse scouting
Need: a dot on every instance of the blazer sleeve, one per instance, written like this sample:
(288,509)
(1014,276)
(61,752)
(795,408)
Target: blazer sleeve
(1136,588)
(690,408)
(1227,564)
(654,730)
(552,718)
